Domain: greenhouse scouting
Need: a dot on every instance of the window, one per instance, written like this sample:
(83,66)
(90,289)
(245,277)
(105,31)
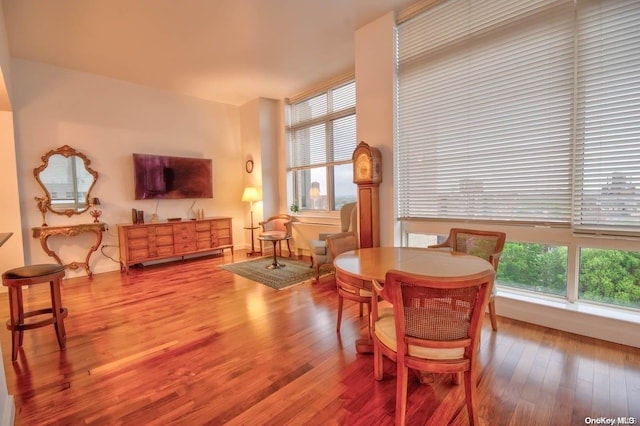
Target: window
(321,138)
(607,169)
(536,267)
(523,113)
(526,113)
(610,276)
(539,268)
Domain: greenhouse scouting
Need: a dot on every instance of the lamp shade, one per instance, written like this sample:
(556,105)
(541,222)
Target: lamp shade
(250,194)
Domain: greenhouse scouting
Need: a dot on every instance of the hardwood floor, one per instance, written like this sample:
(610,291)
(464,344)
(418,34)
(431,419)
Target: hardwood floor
(190,343)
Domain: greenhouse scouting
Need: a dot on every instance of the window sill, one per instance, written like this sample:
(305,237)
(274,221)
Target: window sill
(612,324)
(583,307)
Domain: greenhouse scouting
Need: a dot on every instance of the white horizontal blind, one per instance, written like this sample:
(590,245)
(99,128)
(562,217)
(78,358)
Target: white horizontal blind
(607,173)
(485,112)
(322,128)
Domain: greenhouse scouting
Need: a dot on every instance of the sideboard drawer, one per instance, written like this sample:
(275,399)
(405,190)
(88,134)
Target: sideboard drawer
(138,243)
(164,240)
(203,225)
(184,247)
(164,229)
(203,244)
(137,233)
(139,254)
(165,250)
(184,232)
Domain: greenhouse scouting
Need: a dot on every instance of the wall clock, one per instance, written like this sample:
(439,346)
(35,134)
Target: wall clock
(248,166)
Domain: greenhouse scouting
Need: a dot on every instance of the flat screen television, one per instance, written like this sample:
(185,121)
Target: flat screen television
(164,177)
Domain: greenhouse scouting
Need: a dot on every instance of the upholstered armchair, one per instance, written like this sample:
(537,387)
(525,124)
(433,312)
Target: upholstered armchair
(277,225)
(319,253)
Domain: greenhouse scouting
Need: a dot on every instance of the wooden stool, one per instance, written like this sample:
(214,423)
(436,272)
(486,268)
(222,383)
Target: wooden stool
(14,279)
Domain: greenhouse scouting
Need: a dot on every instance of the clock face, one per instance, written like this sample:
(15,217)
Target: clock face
(363,167)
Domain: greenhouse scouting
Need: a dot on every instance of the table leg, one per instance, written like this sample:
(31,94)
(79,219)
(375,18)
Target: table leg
(275,264)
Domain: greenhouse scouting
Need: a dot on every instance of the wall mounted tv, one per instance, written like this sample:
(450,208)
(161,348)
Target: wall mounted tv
(163,177)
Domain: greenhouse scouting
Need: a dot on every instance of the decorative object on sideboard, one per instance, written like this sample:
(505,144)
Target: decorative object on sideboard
(137,216)
(95,213)
(294,208)
(67,181)
(191,213)
(154,216)
(250,195)
(43,202)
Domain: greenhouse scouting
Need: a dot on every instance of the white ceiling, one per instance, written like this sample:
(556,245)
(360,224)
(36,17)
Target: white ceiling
(229,51)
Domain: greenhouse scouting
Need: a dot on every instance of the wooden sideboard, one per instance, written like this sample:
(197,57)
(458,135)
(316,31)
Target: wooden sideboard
(153,241)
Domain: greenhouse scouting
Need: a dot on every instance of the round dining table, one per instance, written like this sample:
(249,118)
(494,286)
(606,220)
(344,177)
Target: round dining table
(367,264)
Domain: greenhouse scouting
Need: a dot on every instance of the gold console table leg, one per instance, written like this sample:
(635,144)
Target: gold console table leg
(45,232)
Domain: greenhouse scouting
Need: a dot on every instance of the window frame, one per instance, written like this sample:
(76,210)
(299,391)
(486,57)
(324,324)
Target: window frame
(297,192)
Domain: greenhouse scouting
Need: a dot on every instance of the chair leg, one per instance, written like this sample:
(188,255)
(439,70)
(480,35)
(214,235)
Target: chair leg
(58,310)
(340,303)
(16,317)
(456,378)
(378,371)
(470,396)
(288,248)
(401,394)
(492,314)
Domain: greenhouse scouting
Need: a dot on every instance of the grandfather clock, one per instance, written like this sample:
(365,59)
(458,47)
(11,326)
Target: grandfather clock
(367,174)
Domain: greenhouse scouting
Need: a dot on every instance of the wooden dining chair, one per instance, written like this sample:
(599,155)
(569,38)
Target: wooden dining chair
(350,288)
(435,327)
(485,244)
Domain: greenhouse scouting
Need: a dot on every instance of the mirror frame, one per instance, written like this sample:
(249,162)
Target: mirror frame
(67,152)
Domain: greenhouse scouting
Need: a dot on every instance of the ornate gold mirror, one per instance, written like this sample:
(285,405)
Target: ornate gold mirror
(67,180)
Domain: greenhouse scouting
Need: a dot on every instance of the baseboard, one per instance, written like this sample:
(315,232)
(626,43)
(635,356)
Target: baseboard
(585,321)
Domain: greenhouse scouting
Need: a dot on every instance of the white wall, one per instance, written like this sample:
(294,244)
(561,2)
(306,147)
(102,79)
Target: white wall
(262,136)
(11,253)
(108,120)
(375,75)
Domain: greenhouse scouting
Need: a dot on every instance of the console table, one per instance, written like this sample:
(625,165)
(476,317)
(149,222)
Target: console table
(145,242)
(45,232)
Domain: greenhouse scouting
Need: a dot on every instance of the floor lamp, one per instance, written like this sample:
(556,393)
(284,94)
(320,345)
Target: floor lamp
(251,194)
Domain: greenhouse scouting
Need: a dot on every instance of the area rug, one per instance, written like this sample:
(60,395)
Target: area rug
(295,272)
